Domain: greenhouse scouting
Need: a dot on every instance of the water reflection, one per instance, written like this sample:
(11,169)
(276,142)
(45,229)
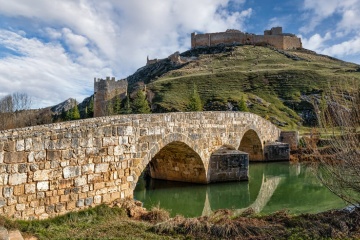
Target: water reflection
(271,187)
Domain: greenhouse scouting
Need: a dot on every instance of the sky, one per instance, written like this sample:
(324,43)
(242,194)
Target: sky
(53,50)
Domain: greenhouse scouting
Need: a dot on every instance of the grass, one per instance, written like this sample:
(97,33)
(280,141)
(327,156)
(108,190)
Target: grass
(101,222)
(104,222)
(258,71)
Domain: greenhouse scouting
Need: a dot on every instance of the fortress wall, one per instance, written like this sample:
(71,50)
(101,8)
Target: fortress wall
(292,42)
(227,38)
(277,40)
(201,40)
(105,90)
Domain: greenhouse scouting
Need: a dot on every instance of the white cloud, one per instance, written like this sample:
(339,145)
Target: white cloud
(44,71)
(81,39)
(315,42)
(342,49)
(348,10)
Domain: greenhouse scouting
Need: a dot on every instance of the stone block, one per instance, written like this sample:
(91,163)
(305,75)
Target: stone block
(228,165)
(19,190)
(42,175)
(37,144)
(97,199)
(118,150)
(101,167)
(88,168)
(42,186)
(64,198)
(109,141)
(53,155)
(1,157)
(9,146)
(2,202)
(40,155)
(28,144)
(277,151)
(4,177)
(15,157)
(125,131)
(71,171)
(80,181)
(20,207)
(40,210)
(88,201)
(4,234)
(17,178)
(80,203)
(20,145)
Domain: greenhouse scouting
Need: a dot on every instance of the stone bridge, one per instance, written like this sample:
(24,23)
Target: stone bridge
(53,169)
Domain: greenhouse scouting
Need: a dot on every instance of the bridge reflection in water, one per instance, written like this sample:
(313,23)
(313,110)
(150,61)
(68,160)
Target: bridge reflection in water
(271,187)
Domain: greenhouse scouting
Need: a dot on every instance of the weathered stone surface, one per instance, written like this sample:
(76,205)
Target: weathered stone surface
(42,175)
(17,178)
(71,171)
(277,151)
(42,186)
(53,169)
(228,165)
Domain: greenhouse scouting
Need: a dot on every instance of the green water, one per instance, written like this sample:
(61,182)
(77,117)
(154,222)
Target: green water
(271,187)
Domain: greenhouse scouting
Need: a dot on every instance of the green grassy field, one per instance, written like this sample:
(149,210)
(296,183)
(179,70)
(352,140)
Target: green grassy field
(270,82)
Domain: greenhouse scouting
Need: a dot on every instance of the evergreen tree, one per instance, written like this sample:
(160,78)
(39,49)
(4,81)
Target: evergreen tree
(90,110)
(69,114)
(195,101)
(127,106)
(109,108)
(117,104)
(242,105)
(75,112)
(140,105)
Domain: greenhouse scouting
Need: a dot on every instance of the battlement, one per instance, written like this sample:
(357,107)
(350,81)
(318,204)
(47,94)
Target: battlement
(274,37)
(105,90)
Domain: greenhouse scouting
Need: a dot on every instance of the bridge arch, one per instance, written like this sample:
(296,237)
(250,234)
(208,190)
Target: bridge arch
(182,158)
(251,143)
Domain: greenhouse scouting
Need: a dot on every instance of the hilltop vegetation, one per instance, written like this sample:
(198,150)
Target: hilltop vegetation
(280,86)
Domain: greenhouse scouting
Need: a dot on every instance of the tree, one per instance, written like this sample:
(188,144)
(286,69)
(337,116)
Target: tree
(339,162)
(75,112)
(242,105)
(140,105)
(90,109)
(195,104)
(12,114)
(117,104)
(127,106)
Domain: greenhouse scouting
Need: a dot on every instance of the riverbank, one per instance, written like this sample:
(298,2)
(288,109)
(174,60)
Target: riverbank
(128,220)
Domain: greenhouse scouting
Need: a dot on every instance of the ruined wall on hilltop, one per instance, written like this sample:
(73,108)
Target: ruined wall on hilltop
(274,37)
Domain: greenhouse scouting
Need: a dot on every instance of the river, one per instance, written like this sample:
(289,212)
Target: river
(271,187)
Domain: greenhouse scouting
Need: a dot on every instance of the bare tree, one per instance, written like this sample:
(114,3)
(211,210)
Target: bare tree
(21,101)
(339,159)
(13,112)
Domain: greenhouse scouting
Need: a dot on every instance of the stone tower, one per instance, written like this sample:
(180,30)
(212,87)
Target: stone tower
(105,90)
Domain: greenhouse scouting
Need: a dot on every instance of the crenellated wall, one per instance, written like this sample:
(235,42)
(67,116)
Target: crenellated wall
(104,91)
(53,169)
(273,37)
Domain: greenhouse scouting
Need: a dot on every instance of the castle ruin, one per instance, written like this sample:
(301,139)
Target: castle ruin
(274,37)
(105,90)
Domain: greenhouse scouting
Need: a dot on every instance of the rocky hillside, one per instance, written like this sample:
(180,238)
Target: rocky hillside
(281,86)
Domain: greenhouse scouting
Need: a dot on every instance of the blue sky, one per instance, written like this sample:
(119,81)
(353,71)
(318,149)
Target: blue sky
(52,50)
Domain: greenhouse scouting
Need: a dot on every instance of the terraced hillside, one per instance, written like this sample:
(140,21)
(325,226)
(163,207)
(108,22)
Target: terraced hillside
(281,86)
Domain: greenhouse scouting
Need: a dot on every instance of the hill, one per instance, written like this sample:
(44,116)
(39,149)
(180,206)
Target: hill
(281,86)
